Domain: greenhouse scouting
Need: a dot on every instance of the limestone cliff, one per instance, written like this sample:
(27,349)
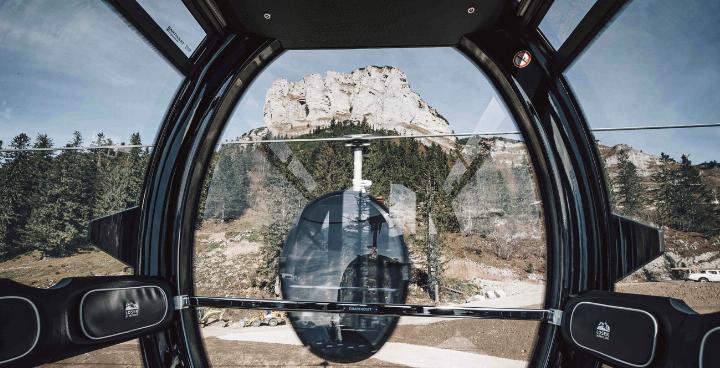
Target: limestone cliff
(380,96)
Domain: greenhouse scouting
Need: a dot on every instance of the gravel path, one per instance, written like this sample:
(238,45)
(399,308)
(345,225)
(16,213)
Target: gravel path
(391,352)
(426,356)
(520,294)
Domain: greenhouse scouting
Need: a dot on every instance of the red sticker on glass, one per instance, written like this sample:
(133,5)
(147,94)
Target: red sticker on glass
(522,59)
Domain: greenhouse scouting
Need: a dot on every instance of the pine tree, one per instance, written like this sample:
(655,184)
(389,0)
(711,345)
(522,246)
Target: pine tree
(692,203)
(433,246)
(203,213)
(683,200)
(227,195)
(630,194)
(112,186)
(664,180)
(434,258)
(139,160)
(4,216)
(17,193)
(120,177)
(59,224)
(284,203)
(273,240)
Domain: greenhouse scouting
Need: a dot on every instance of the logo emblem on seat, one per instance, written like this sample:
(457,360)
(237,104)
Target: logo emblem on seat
(603,331)
(132,309)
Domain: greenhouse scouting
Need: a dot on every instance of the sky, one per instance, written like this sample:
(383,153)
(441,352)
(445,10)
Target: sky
(657,64)
(75,65)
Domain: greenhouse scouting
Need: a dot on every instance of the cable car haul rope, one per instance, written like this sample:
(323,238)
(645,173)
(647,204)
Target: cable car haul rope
(369,137)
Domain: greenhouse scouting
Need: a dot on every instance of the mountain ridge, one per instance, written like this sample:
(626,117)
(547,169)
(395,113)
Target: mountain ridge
(380,96)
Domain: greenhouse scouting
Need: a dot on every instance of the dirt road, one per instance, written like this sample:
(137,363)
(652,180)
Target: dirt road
(399,353)
(703,297)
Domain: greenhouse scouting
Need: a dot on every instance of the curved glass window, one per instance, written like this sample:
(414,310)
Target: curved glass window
(562,18)
(73,74)
(177,22)
(448,221)
(665,172)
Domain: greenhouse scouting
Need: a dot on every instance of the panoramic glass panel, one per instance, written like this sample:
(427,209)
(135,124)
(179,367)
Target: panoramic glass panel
(72,74)
(465,207)
(177,22)
(669,178)
(678,194)
(562,18)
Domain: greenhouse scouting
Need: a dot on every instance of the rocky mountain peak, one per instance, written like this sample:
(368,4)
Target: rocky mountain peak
(379,95)
(645,163)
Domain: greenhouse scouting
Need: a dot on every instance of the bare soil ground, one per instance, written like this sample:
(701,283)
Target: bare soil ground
(123,355)
(482,251)
(702,297)
(689,244)
(35,270)
(221,353)
(256,354)
(506,339)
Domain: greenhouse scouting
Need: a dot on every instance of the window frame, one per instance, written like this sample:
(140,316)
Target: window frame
(172,190)
(211,22)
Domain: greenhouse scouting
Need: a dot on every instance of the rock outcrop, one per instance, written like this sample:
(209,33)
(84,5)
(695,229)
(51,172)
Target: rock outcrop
(645,163)
(379,96)
(500,197)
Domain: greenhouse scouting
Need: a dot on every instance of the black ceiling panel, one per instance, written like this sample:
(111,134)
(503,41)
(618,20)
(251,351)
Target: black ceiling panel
(354,24)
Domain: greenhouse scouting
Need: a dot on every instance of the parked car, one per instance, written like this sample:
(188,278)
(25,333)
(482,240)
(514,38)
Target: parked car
(705,276)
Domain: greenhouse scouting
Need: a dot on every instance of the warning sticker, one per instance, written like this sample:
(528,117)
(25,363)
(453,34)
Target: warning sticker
(522,59)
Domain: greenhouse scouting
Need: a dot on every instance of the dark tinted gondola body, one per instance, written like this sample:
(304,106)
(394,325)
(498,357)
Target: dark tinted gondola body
(344,248)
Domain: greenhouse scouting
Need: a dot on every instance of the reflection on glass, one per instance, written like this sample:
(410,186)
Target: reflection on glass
(475,237)
(344,247)
(620,81)
(465,208)
(73,74)
(679,195)
(489,187)
(669,178)
(562,18)
(177,21)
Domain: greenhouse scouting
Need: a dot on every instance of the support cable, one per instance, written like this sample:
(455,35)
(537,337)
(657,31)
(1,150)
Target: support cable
(368,137)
